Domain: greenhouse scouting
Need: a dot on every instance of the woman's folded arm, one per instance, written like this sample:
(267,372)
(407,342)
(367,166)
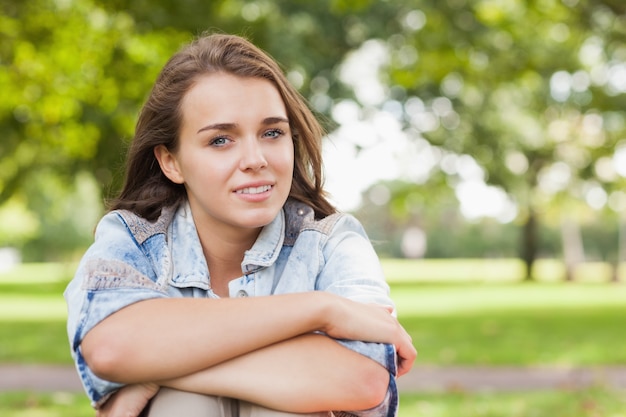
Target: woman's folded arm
(168,338)
(305,374)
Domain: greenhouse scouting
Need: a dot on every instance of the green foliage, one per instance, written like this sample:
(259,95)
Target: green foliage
(485,73)
(449,235)
(73,77)
(17,223)
(68,213)
(516,86)
(74,73)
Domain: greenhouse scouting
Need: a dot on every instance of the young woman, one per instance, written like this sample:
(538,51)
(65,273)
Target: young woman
(222,282)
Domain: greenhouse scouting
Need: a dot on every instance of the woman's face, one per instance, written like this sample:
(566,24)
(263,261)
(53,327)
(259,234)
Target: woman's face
(235,154)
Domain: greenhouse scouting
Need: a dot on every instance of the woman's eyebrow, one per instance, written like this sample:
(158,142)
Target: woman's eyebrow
(274,120)
(218,126)
(230,126)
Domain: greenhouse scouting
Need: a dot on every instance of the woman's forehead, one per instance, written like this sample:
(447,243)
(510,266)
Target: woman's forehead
(226,98)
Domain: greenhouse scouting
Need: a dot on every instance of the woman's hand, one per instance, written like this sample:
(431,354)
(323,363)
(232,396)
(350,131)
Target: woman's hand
(129,401)
(404,349)
(406,353)
(352,320)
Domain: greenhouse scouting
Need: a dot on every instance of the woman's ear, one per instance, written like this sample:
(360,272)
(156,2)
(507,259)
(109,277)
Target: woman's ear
(168,164)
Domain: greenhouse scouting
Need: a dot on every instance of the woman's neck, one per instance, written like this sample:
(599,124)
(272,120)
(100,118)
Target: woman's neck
(224,252)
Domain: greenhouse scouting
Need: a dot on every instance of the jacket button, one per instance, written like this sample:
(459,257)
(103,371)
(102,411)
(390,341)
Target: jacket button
(242,293)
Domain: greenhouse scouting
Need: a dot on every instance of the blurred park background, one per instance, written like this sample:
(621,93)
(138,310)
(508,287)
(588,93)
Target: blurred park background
(481,142)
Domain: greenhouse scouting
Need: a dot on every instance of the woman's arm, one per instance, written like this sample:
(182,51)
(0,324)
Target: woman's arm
(163,339)
(306,374)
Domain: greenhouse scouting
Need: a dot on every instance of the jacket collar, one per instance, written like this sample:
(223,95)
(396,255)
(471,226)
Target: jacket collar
(189,264)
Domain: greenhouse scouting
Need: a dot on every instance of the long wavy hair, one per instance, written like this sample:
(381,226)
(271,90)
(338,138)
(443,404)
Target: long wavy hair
(147,190)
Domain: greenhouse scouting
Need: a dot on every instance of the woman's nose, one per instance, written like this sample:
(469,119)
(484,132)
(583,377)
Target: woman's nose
(252,157)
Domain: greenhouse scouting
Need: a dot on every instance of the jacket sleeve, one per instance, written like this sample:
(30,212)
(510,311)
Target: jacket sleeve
(352,269)
(113,273)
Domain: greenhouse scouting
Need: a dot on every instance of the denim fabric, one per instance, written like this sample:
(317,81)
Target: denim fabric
(132,259)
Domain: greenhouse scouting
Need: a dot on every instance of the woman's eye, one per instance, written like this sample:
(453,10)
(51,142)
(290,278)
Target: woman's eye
(273,133)
(219,141)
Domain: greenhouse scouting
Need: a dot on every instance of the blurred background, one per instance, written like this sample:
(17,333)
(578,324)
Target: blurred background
(456,128)
(477,140)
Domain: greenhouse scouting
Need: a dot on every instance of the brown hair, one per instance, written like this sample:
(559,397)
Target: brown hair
(147,190)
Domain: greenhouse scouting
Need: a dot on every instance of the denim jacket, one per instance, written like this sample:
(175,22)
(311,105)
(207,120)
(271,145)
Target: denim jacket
(132,259)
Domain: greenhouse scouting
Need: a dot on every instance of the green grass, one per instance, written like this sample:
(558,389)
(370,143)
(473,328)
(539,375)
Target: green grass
(459,312)
(58,404)
(34,292)
(451,322)
(593,402)
(547,337)
(37,273)
(515,324)
(33,314)
(34,342)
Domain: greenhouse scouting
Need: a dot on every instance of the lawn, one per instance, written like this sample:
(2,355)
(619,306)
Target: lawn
(515,324)
(451,321)
(593,402)
(33,313)
(58,404)
(460,312)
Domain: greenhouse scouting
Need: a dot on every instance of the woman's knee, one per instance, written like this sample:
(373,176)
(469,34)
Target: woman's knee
(247,409)
(170,402)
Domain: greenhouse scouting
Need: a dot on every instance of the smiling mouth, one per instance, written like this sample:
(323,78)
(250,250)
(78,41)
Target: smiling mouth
(254,190)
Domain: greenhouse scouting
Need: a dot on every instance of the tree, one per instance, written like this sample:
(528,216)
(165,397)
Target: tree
(72,77)
(528,89)
(74,74)
(532,90)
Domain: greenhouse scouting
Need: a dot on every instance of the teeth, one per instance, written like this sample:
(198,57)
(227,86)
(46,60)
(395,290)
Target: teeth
(254,190)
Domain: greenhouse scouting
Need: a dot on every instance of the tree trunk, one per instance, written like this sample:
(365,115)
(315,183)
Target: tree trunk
(529,244)
(621,247)
(573,249)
